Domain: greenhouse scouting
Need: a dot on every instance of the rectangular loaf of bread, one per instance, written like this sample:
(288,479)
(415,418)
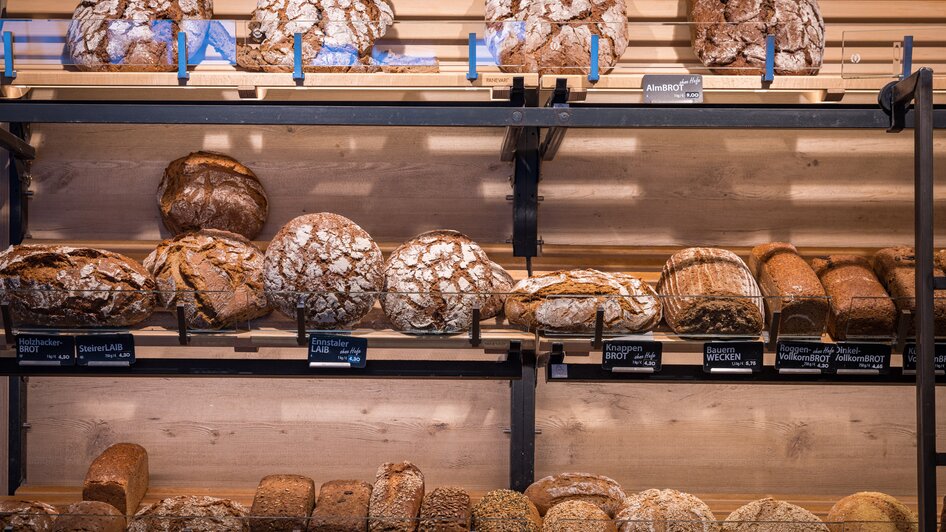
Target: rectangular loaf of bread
(282,503)
(119,476)
(896,269)
(790,286)
(342,506)
(396,497)
(860,307)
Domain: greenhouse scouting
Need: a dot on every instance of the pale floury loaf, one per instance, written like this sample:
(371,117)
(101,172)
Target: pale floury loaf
(770,515)
(599,490)
(135,35)
(554,36)
(669,510)
(502,285)
(329,264)
(396,498)
(185,512)
(433,281)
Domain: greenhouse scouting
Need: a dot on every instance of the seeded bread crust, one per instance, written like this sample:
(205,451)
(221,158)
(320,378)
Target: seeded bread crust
(577,516)
(790,286)
(506,511)
(118,476)
(860,307)
(342,507)
(770,515)
(396,498)
(446,509)
(282,503)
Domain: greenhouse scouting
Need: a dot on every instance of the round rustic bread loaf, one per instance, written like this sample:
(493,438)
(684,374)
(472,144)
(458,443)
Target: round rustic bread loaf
(433,281)
(207,190)
(506,511)
(329,264)
(396,498)
(216,275)
(602,491)
(135,35)
(175,514)
(770,515)
(666,509)
(554,37)
(446,509)
(729,37)
(869,511)
(502,285)
(89,516)
(567,301)
(577,516)
(27,515)
(62,286)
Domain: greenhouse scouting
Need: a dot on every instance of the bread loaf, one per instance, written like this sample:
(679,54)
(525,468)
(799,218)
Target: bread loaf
(216,275)
(342,506)
(896,269)
(871,512)
(90,516)
(791,287)
(329,264)
(577,516)
(206,190)
(770,515)
(61,286)
(32,516)
(860,307)
(567,301)
(502,285)
(939,259)
(506,511)
(600,490)
(177,514)
(282,503)
(135,35)
(666,510)
(554,36)
(396,498)
(433,281)
(118,476)
(710,291)
(446,509)
(729,37)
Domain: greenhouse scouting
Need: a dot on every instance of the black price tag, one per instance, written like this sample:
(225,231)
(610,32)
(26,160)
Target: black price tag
(665,88)
(804,357)
(861,358)
(631,356)
(44,350)
(909,358)
(106,350)
(328,351)
(732,357)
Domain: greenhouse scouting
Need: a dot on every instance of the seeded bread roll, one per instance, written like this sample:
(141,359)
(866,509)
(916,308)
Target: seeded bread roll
(446,509)
(896,269)
(502,285)
(506,511)
(770,515)
(327,262)
(790,286)
(729,36)
(32,516)
(599,490)
(860,307)
(176,514)
(710,291)
(90,516)
(118,476)
(577,516)
(206,190)
(396,498)
(666,509)
(871,512)
(342,507)
(282,503)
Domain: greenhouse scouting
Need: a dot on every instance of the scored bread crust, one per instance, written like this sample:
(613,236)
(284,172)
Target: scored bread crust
(207,514)
(27,515)
(502,284)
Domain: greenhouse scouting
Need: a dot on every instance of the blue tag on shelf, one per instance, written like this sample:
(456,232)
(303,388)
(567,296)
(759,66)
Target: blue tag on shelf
(330,351)
(45,350)
(732,357)
(106,350)
(909,358)
(631,356)
(804,357)
(853,357)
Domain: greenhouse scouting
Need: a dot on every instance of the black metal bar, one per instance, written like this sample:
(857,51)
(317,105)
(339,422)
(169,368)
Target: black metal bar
(904,319)
(525,207)
(475,337)
(555,136)
(939,283)
(18,188)
(941,459)
(181,325)
(774,329)
(522,426)
(16,434)
(599,328)
(7,323)
(16,146)
(300,324)
(517,98)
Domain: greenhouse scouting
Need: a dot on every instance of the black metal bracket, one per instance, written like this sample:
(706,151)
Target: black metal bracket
(522,421)
(526,177)
(21,154)
(599,328)
(555,136)
(181,325)
(475,336)
(941,459)
(939,283)
(7,323)
(16,436)
(904,319)
(517,98)
(774,328)
(300,323)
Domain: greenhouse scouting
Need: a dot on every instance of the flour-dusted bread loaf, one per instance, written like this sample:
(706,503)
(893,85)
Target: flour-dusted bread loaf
(342,506)
(135,35)
(62,286)
(896,270)
(729,36)
(710,291)
(506,511)
(446,509)
(502,285)
(118,476)
(32,516)
(871,512)
(791,287)
(600,490)
(282,503)
(860,307)
(567,301)
(216,275)
(433,281)
(770,515)
(337,35)
(396,498)
(185,512)
(666,509)
(90,516)
(554,36)
(206,190)
(329,264)
(577,516)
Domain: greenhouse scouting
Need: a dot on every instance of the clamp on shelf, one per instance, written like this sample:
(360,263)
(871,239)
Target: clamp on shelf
(181,325)
(769,75)
(7,324)
(471,59)
(475,336)
(182,75)
(9,72)
(297,72)
(594,70)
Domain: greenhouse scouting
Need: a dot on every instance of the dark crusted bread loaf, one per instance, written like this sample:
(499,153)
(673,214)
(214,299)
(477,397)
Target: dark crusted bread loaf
(31,516)
(896,269)
(770,515)
(710,291)
(61,286)
(396,498)
(282,503)
(446,509)
(871,511)
(502,285)
(791,287)
(666,510)
(216,275)
(118,476)
(600,490)
(506,511)
(176,514)
(860,307)
(206,190)
(729,36)
(342,506)
(577,516)
(90,516)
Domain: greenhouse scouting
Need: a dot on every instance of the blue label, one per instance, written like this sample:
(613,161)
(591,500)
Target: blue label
(330,349)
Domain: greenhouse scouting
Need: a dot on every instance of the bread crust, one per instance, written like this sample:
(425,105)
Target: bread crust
(860,307)
(342,506)
(790,286)
(207,514)
(896,270)
(396,498)
(90,516)
(282,503)
(119,476)
(600,490)
(666,509)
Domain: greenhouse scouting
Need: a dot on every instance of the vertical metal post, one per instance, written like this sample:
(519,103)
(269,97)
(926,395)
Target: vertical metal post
(594,72)
(522,426)
(471,67)
(9,71)
(907,53)
(18,191)
(298,73)
(16,435)
(769,75)
(182,74)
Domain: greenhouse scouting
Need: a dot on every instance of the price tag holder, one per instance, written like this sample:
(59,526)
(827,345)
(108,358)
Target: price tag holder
(105,350)
(663,88)
(804,357)
(629,356)
(329,351)
(732,357)
(909,359)
(861,358)
(45,350)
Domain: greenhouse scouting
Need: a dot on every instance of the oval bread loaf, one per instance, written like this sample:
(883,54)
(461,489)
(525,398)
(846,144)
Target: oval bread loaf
(666,509)
(506,511)
(577,516)
(770,515)
(27,515)
(89,516)
(602,491)
(185,512)
(868,511)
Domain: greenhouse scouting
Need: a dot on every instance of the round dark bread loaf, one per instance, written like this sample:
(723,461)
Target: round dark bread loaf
(206,190)
(869,511)
(770,515)
(175,514)
(446,509)
(396,498)
(577,516)
(62,286)
(88,516)
(506,511)
(27,515)
(666,509)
